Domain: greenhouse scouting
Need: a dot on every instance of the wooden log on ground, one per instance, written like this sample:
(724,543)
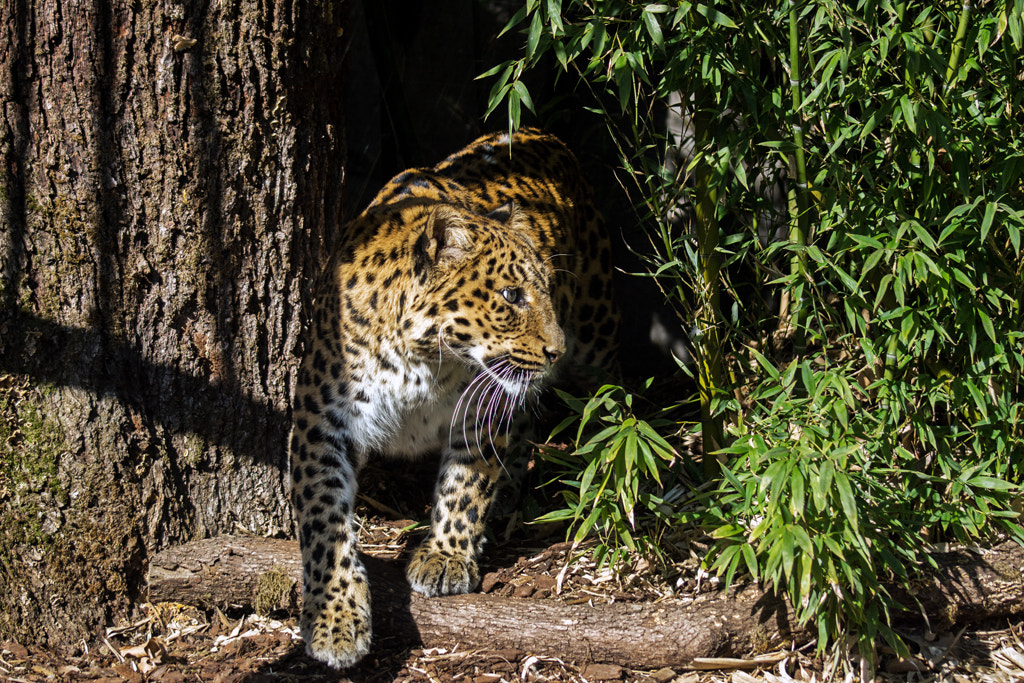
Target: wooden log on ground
(266,574)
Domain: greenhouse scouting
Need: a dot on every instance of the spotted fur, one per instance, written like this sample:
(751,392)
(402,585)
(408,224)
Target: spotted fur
(455,296)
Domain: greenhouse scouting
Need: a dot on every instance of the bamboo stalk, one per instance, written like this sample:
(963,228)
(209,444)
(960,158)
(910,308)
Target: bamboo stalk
(709,315)
(958,42)
(890,370)
(801,221)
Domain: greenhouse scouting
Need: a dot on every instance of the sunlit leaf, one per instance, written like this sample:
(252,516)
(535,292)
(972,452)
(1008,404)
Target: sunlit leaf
(533,36)
(524,94)
(986,223)
(653,28)
(715,17)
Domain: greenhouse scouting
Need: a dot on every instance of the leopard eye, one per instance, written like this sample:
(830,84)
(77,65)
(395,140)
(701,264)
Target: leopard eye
(511,294)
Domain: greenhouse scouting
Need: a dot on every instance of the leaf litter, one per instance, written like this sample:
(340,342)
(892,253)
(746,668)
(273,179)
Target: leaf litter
(175,643)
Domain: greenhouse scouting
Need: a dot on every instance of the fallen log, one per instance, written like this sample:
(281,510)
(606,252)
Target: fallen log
(266,574)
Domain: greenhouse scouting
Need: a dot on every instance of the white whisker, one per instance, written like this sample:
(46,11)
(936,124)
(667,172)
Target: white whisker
(554,256)
(494,396)
(441,345)
(477,384)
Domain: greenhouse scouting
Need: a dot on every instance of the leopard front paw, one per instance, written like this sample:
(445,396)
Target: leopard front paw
(338,632)
(433,572)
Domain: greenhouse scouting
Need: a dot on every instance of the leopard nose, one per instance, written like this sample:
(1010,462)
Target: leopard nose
(552,354)
(554,344)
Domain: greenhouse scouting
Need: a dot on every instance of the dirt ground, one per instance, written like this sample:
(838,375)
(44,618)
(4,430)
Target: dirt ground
(172,643)
(269,651)
(177,644)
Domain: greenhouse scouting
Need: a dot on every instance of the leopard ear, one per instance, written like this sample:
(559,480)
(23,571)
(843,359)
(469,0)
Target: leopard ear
(447,237)
(518,220)
(503,213)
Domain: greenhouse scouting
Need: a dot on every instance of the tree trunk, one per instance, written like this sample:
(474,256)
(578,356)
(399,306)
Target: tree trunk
(170,179)
(266,573)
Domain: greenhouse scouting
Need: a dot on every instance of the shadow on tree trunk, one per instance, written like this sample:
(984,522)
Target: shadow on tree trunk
(170,184)
(200,415)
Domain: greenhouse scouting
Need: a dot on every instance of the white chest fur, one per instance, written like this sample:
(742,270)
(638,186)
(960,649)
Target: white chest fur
(401,408)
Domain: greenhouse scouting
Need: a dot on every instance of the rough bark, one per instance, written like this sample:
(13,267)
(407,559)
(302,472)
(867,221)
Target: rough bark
(234,570)
(170,178)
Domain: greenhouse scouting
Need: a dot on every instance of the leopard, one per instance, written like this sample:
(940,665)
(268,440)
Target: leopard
(449,304)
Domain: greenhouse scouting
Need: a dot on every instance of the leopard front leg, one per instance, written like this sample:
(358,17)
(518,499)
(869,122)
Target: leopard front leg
(445,562)
(335,621)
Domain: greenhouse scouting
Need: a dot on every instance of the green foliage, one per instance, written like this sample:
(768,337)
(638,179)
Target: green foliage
(880,407)
(619,468)
(822,499)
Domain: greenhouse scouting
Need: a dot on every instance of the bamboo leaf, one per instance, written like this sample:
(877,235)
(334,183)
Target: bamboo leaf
(846,497)
(524,94)
(715,17)
(533,36)
(986,222)
(653,28)
(909,113)
(516,19)
(554,12)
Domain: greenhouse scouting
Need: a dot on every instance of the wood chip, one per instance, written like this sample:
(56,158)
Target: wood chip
(602,672)
(490,580)
(663,675)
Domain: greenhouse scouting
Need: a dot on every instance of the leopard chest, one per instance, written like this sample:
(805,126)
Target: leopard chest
(403,408)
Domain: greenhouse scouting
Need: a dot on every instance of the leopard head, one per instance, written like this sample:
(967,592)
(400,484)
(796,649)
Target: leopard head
(490,295)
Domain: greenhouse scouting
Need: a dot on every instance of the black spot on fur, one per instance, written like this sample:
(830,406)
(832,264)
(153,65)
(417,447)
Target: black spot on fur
(315,435)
